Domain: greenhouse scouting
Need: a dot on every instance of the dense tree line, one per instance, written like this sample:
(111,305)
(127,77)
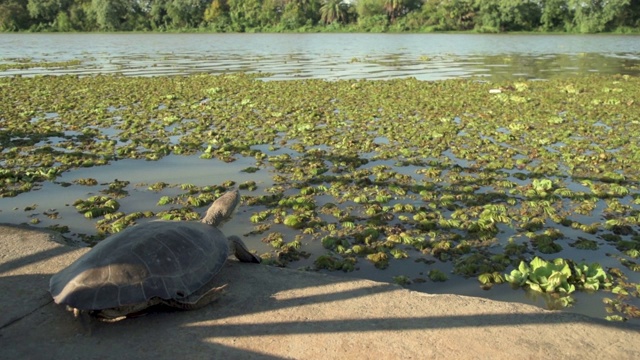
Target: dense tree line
(584,16)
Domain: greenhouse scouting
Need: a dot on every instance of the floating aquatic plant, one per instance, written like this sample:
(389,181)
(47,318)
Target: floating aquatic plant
(437,275)
(391,169)
(96,206)
(585,244)
(559,276)
(402,280)
(86,181)
(330,262)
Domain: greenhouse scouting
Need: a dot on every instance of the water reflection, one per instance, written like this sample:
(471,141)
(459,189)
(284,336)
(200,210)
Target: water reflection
(328,56)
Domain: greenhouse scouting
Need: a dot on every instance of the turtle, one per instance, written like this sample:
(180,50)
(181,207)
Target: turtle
(158,262)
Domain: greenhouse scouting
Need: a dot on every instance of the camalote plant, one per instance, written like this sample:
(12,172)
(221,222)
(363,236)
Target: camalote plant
(369,173)
(558,276)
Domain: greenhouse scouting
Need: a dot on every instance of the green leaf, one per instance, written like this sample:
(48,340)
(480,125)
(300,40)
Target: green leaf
(516,278)
(615,318)
(534,287)
(619,290)
(485,278)
(537,263)
(523,268)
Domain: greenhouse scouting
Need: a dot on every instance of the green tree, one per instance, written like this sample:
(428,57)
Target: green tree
(488,18)
(507,15)
(372,15)
(555,15)
(334,10)
(449,14)
(81,16)
(298,13)
(519,14)
(215,10)
(271,13)
(217,16)
(628,18)
(13,15)
(393,8)
(112,15)
(397,8)
(597,15)
(157,14)
(63,22)
(186,13)
(245,14)
(45,12)
(311,10)
(366,8)
(293,16)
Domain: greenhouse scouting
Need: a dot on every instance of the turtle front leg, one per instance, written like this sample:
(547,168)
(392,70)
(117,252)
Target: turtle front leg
(195,301)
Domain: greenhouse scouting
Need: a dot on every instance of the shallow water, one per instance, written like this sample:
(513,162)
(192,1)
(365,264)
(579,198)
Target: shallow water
(175,169)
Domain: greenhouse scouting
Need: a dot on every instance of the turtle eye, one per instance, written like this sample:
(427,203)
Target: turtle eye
(180,294)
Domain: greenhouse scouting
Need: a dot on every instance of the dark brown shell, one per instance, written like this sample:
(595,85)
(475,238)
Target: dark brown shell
(164,259)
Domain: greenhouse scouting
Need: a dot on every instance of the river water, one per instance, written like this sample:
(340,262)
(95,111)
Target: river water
(289,57)
(328,56)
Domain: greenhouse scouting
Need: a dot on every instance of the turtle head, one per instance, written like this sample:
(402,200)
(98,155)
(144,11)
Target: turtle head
(222,209)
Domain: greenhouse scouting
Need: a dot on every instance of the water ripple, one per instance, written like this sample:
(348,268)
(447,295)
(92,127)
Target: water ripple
(327,56)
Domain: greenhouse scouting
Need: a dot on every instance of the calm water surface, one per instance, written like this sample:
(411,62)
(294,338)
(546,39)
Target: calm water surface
(329,56)
(296,56)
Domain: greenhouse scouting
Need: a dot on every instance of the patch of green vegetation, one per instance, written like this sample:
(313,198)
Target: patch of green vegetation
(329,262)
(96,206)
(28,64)
(86,181)
(480,263)
(437,275)
(558,276)
(584,244)
(402,280)
(479,180)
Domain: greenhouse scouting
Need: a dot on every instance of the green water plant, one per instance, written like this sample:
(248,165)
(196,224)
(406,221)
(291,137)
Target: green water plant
(402,280)
(584,244)
(558,276)
(331,262)
(86,181)
(96,206)
(437,276)
(543,276)
(364,170)
(29,64)
(379,259)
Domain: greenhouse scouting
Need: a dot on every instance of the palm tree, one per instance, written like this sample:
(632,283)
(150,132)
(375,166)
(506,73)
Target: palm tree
(393,8)
(333,10)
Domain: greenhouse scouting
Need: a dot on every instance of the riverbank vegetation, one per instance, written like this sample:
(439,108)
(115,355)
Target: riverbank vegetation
(573,16)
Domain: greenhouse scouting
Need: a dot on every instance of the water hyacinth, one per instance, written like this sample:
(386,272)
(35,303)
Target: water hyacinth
(374,172)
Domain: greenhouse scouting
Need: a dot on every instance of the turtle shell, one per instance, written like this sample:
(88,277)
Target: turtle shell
(163,259)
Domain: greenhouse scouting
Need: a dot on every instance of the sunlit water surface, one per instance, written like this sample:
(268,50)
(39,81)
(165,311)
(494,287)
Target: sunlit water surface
(328,56)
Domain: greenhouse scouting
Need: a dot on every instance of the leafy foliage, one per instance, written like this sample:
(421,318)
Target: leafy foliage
(560,275)
(329,15)
(460,178)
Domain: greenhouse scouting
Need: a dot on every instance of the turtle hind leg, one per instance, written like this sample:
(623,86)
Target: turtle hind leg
(196,301)
(239,249)
(84,318)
